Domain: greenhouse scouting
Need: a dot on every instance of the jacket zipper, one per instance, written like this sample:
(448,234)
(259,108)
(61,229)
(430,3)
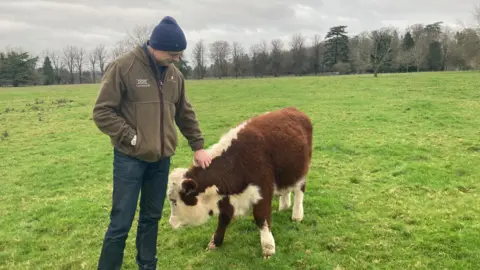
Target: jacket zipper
(159,81)
(162,134)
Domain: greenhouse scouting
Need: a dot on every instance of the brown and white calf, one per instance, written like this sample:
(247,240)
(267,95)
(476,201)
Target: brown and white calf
(265,156)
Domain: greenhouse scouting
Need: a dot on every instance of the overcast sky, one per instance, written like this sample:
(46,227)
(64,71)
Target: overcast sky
(52,24)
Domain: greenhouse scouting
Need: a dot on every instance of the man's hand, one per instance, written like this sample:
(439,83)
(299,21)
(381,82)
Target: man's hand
(202,158)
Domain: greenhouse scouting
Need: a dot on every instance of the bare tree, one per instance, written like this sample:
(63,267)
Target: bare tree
(237,54)
(79,61)
(317,53)
(101,55)
(359,49)
(138,35)
(383,43)
(120,48)
(199,52)
(447,40)
(476,16)
(406,58)
(69,53)
(262,58)
(276,56)
(420,49)
(477,21)
(219,53)
(92,57)
(244,64)
(468,49)
(394,61)
(298,53)
(57,64)
(255,63)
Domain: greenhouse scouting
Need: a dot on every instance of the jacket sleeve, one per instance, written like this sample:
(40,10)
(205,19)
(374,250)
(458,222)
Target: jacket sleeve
(107,104)
(186,121)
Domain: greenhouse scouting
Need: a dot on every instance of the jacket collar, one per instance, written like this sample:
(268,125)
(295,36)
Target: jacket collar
(141,51)
(141,54)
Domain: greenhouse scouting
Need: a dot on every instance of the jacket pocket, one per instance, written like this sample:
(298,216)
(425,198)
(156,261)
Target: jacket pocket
(147,118)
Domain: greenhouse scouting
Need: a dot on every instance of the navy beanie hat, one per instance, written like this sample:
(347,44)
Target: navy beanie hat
(168,36)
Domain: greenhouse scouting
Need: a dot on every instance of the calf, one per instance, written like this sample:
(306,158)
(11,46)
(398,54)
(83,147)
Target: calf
(265,156)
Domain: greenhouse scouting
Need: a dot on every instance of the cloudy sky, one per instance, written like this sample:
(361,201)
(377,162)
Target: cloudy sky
(52,24)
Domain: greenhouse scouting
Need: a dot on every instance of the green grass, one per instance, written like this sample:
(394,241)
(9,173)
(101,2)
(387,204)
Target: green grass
(394,180)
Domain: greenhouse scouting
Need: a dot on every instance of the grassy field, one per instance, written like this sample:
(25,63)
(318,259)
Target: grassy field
(394,180)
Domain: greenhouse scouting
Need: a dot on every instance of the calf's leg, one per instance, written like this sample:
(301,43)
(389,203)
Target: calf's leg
(262,216)
(297,212)
(285,202)
(224,218)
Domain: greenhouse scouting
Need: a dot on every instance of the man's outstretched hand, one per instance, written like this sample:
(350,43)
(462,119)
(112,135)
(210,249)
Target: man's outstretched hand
(202,158)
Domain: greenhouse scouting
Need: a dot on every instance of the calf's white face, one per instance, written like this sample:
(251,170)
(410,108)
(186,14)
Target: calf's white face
(187,206)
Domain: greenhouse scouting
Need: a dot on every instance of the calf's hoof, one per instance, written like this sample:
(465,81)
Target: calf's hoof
(283,205)
(211,246)
(297,219)
(297,215)
(268,251)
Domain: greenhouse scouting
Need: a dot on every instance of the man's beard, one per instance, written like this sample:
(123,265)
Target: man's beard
(165,62)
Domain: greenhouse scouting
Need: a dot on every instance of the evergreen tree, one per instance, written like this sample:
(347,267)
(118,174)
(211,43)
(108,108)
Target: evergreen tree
(17,68)
(434,57)
(3,69)
(433,30)
(336,46)
(49,76)
(408,42)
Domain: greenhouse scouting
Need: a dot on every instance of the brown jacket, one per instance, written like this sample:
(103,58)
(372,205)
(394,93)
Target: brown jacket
(131,101)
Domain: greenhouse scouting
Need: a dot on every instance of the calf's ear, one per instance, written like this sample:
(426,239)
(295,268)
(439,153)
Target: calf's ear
(189,187)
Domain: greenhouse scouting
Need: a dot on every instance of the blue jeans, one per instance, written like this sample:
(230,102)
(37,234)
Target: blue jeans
(132,177)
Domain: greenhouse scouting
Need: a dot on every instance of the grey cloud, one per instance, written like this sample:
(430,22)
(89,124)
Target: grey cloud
(52,24)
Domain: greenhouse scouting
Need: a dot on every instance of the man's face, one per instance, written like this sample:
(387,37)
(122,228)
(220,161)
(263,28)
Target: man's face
(166,58)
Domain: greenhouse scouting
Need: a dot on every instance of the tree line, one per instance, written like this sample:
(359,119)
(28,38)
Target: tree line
(419,47)
(431,47)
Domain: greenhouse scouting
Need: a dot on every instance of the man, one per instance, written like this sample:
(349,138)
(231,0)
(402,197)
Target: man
(142,95)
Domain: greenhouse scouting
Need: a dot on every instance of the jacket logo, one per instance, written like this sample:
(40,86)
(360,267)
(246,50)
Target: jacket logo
(142,83)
